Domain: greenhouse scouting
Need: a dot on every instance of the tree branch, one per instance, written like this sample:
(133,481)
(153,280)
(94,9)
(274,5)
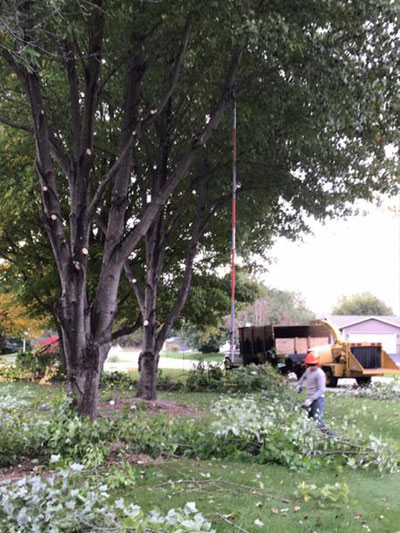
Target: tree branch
(16,125)
(138,232)
(127,147)
(44,168)
(58,153)
(182,207)
(73,82)
(187,277)
(107,178)
(92,73)
(127,330)
(173,79)
(130,276)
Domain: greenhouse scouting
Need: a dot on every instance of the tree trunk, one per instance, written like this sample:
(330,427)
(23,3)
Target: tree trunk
(147,387)
(2,343)
(89,381)
(148,359)
(84,376)
(61,354)
(86,340)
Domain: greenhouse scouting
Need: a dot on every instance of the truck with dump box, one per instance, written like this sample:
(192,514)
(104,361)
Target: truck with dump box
(286,347)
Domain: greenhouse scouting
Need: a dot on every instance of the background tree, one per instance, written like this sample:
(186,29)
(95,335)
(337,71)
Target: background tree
(362,304)
(15,320)
(274,306)
(201,323)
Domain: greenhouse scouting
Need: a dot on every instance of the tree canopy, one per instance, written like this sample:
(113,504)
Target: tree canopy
(126,104)
(362,304)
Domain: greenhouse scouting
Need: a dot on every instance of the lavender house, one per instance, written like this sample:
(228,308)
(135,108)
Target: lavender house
(384,329)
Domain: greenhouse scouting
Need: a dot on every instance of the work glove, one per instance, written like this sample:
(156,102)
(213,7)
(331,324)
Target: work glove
(307,403)
(299,389)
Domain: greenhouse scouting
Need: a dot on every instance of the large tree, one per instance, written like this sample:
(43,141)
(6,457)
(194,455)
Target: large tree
(83,55)
(136,178)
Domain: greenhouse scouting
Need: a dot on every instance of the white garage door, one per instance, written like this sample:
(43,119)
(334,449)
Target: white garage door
(388,340)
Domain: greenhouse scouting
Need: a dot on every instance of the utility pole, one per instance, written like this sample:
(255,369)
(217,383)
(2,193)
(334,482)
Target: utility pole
(233,250)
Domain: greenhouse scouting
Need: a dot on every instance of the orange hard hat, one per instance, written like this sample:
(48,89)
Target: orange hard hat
(312,358)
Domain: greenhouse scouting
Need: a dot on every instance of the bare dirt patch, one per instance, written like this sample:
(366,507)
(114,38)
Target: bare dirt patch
(154,406)
(120,453)
(27,468)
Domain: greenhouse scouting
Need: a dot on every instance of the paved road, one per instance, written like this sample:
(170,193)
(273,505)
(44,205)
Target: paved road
(128,360)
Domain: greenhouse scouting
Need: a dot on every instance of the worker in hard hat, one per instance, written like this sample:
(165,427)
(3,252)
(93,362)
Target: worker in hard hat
(314,381)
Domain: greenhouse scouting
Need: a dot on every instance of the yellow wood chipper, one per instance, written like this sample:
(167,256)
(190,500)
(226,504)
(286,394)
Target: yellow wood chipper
(361,361)
(287,347)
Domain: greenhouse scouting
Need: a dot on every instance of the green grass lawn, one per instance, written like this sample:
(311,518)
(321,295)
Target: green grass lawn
(237,495)
(39,395)
(250,497)
(381,418)
(5,358)
(175,374)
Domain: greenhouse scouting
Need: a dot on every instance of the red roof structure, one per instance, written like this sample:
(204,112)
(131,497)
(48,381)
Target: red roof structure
(50,340)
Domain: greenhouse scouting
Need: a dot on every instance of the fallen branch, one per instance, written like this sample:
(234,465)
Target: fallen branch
(255,491)
(239,528)
(189,481)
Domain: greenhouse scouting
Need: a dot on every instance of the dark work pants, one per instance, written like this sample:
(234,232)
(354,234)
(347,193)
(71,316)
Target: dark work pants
(316,411)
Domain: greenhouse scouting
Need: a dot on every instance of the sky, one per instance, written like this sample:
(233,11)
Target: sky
(342,258)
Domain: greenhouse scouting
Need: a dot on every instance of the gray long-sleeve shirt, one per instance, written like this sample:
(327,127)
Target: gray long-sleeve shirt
(314,381)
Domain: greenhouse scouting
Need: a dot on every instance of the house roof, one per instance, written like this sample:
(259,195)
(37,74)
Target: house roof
(344,321)
(49,340)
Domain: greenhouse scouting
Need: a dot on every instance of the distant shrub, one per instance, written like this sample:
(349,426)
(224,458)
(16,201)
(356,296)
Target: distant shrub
(36,362)
(113,358)
(166,383)
(33,366)
(206,377)
(11,373)
(174,348)
(115,380)
(210,347)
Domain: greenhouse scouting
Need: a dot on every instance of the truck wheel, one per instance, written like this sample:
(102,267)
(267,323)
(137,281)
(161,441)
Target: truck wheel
(364,382)
(331,380)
